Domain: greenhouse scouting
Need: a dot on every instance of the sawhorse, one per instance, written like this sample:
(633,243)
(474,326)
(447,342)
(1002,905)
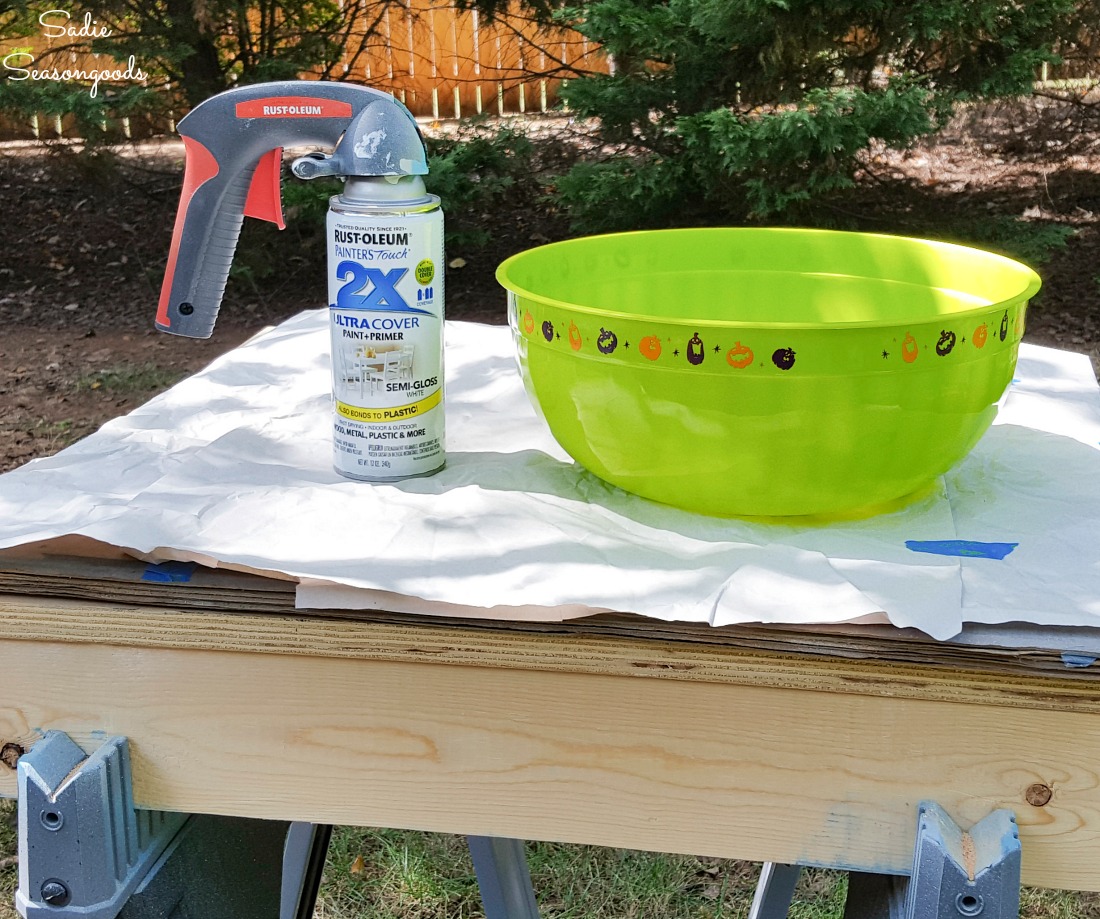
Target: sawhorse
(86,851)
(955,875)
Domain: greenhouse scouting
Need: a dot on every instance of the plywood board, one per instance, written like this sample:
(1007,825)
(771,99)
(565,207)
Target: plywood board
(122,581)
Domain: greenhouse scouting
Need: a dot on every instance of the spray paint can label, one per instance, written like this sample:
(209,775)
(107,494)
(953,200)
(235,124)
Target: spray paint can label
(386,310)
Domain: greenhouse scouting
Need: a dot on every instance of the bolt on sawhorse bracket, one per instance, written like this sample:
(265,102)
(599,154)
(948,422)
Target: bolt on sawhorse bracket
(86,851)
(956,875)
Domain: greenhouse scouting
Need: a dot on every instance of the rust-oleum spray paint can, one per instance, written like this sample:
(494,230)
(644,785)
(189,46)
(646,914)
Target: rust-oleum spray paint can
(385,286)
(385,248)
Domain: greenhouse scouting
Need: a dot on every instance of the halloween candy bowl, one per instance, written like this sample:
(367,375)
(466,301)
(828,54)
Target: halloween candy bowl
(743,372)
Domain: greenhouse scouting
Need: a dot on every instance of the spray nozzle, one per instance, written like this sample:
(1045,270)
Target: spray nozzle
(382,140)
(313,166)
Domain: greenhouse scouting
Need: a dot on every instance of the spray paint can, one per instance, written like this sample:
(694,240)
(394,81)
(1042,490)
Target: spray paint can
(385,244)
(385,285)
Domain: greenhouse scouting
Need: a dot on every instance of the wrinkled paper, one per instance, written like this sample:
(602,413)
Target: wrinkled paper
(233,467)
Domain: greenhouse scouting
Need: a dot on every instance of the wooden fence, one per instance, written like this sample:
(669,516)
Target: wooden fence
(442,62)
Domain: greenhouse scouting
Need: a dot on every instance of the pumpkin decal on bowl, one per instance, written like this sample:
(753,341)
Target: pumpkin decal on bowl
(650,347)
(1004,326)
(574,337)
(528,322)
(783,358)
(980,335)
(909,349)
(695,352)
(946,344)
(548,330)
(607,342)
(739,356)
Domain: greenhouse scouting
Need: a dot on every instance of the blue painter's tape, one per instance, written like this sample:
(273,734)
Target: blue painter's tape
(1072,659)
(963,548)
(169,572)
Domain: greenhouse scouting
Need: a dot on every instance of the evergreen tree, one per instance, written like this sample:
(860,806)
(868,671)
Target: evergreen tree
(741,109)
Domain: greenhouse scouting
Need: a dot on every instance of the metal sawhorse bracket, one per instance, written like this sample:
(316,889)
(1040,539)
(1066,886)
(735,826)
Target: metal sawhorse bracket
(956,875)
(86,851)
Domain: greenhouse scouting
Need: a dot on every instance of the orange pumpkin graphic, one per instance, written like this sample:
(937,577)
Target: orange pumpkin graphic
(981,333)
(574,337)
(739,355)
(909,349)
(528,322)
(650,346)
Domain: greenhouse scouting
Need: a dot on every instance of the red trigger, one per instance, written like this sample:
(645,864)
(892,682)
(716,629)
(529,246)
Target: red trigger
(265,200)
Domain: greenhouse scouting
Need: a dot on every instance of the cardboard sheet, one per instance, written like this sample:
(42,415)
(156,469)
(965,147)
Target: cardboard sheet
(232,467)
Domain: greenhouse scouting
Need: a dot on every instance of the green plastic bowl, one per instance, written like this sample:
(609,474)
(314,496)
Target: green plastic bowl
(743,372)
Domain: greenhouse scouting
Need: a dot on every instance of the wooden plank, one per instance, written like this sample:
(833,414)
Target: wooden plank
(740,770)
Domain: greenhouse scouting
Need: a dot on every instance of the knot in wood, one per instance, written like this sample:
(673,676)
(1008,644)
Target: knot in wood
(10,753)
(1038,795)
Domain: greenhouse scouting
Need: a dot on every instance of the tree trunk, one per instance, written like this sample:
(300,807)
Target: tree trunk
(201,73)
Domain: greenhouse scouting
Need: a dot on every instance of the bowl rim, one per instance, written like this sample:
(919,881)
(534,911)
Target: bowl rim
(1034,281)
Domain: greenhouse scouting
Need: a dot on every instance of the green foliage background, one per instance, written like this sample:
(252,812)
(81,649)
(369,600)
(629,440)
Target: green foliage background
(716,111)
(748,109)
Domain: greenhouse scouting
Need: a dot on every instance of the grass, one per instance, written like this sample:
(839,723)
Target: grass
(1057,904)
(55,435)
(9,869)
(130,379)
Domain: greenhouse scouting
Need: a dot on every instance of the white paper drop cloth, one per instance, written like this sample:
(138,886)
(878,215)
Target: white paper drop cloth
(233,467)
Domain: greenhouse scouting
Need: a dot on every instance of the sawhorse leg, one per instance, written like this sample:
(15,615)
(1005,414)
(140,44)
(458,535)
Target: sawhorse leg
(503,877)
(303,863)
(774,891)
